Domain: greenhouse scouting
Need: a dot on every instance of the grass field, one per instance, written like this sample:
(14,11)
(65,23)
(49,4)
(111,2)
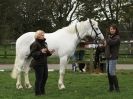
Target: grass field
(78,86)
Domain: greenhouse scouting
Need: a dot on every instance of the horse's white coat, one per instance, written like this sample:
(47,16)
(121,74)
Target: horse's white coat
(63,41)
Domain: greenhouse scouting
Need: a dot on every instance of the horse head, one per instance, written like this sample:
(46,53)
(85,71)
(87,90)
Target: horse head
(94,30)
(91,29)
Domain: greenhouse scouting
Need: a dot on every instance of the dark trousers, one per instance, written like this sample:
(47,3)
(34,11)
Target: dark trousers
(81,66)
(41,75)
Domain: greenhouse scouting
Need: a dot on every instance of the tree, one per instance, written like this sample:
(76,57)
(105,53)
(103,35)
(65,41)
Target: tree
(61,12)
(106,11)
(6,12)
(126,21)
(20,16)
(88,9)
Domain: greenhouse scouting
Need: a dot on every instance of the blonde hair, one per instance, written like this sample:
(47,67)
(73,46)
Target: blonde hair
(38,32)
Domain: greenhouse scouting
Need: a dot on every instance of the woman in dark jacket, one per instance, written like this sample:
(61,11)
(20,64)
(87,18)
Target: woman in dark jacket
(39,52)
(112,50)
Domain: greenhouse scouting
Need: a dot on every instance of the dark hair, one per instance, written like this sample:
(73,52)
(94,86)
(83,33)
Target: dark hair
(114,26)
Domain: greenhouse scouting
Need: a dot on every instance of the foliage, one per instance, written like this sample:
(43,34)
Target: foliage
(108,12)
(20,16)
(61,12)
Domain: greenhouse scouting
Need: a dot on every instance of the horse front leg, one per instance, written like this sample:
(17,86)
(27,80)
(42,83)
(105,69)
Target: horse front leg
(26,76)
(63,63)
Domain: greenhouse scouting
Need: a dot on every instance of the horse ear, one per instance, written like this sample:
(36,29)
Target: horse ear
(88,19)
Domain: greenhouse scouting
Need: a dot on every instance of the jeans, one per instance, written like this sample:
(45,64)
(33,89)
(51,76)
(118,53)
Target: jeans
(78,55)
(111,67)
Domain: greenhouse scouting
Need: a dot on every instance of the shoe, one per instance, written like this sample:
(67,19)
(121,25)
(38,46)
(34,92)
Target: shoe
(115,81)
(74,69)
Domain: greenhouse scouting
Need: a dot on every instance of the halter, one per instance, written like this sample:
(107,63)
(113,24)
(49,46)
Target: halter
(96,37)
(93,29)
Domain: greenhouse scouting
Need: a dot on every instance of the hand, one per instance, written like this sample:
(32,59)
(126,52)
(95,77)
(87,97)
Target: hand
(52,51)
(104,43)
(43,50)
(100,45)
(110,36)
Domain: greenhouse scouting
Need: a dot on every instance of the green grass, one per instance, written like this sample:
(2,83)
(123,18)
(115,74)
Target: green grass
(78,86)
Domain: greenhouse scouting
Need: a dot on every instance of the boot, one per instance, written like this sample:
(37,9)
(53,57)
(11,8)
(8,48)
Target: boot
(116,85)
(43,92)
(111,87)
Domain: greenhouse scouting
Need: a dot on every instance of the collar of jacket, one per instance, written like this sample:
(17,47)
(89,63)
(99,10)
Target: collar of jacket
(41,40)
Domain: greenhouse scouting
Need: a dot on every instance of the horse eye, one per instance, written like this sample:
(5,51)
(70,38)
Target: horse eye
(96,28)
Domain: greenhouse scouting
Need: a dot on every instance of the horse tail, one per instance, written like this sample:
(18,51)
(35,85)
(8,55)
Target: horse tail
(15,69)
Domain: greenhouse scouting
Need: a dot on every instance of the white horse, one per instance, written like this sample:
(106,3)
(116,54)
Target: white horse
(63,41)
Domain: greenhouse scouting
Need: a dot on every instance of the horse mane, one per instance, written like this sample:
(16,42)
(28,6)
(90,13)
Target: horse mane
(71,27)
(94,22)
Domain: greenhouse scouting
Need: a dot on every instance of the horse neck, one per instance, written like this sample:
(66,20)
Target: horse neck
(82,29)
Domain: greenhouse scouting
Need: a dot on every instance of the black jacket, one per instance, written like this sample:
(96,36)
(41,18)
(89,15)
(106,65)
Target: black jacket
(39,58)
(112,48)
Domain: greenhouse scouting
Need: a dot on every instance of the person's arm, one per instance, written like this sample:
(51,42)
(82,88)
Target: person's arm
(35,53)
(113,41)
(49,53)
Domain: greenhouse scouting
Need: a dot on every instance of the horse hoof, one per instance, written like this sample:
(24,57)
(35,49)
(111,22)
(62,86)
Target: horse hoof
(28,86)
(61,87)
(19,86)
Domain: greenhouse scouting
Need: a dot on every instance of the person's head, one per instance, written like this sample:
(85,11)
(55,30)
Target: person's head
(40,35)
(113,30)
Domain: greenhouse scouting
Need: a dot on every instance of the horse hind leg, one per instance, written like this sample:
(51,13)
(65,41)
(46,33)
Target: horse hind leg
(63,63)
(26,74)
(18,68)
(16,72)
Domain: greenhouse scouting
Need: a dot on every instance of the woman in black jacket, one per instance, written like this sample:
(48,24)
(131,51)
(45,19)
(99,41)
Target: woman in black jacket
(39,52)
(112,50)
